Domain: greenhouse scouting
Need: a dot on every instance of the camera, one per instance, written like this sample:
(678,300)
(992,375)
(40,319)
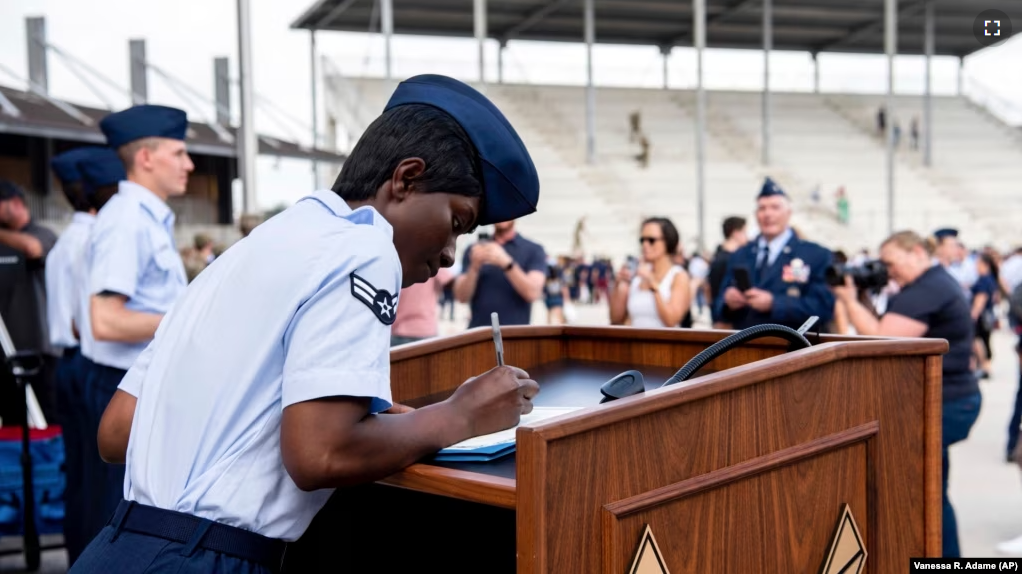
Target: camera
(485,234)
(871,276)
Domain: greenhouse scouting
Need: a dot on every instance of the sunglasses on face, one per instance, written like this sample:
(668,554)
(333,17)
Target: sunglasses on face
(650,240)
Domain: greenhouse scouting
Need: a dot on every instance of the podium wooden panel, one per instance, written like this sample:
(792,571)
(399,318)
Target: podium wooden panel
(744,469)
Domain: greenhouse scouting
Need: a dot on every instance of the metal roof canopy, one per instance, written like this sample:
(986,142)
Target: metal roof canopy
(38,117)
(814,26)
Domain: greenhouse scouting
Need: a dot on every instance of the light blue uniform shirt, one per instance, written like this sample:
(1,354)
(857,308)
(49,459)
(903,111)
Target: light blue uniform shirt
(131,252)
(774,247)
(62,293)
(299,310)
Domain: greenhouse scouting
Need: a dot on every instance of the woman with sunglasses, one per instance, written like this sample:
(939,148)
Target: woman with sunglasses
(655,293)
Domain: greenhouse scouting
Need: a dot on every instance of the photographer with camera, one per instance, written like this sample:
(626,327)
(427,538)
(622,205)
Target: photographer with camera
(929,304)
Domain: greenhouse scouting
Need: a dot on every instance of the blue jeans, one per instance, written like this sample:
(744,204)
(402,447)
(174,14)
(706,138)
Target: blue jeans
(957,418)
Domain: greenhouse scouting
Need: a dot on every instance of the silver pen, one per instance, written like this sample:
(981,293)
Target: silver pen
(498,343)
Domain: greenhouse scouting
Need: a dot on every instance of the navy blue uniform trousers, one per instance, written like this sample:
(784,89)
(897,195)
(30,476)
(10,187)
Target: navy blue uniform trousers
(104,483)
(126,552)
(71,413)
(139,540)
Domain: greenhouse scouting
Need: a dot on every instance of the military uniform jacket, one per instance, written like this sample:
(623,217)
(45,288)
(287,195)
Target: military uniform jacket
(795,278)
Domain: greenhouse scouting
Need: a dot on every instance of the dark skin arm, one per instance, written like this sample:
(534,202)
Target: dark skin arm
(335,442)
(115,427)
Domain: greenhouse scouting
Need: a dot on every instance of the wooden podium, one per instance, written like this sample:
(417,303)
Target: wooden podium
(816,460)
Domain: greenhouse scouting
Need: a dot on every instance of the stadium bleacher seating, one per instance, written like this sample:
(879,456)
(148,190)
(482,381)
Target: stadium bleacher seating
(820,141)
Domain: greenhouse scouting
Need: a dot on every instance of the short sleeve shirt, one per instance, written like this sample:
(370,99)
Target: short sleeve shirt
(23,294)
(61,289)
(985,284)
(299,310)
(131,252)
(936,300)
(495,293)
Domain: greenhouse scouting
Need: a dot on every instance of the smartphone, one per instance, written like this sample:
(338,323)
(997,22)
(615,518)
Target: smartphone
(742,280)
(633,265)
(485,234)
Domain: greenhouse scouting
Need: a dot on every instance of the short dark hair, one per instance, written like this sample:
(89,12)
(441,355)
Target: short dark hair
(102,195)
(75,198)
(732,224)
(668,231)
(412,130)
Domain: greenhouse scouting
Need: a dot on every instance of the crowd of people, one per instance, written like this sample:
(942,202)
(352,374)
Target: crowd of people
(931,286)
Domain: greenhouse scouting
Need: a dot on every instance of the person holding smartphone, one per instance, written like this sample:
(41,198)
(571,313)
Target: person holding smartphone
(778,277)
(655,293)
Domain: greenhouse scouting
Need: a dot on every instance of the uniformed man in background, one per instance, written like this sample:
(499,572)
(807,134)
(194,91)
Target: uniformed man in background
(134,273)
(267,384)
(787,284)
(61,303)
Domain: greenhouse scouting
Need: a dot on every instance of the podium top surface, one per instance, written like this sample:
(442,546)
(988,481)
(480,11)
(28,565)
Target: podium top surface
(571,363)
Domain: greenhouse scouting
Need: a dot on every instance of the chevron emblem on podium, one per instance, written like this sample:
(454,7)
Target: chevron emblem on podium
(847,554)
(648,558)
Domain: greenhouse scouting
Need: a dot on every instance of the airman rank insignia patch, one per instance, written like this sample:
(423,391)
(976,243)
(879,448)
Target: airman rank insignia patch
(383,304)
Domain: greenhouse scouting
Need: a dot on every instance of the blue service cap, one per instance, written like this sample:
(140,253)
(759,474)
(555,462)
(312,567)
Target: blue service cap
(770,189)
(103,167)
(10,190)
(511,187)
(946,232)
(145,121)
(65,165)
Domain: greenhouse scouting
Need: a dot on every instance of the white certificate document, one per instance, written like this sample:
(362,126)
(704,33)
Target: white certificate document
(507,436)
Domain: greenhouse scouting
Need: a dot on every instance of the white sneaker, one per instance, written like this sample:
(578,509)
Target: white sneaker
(1011,547)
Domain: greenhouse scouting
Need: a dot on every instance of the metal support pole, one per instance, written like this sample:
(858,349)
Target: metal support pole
(699,42)
(38,74)
(765,122)
(387,27)
(479,11)
(816,74)
(589,31)
(312,90)
(138,70)
(928,52)
(959,78)
(222,90)
(890,31)
(665,54)
(247,148)
(500,61)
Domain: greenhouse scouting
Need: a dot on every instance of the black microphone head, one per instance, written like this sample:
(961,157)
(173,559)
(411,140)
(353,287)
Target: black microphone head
(624,385)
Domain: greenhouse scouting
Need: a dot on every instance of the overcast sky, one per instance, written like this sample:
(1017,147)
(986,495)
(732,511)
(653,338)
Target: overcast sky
(183,36)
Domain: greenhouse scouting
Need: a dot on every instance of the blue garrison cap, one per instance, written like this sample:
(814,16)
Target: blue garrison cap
(946,232)
(65,165)
(511,187)
(770,189)
(146,121)
(103,167)
(10,190)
